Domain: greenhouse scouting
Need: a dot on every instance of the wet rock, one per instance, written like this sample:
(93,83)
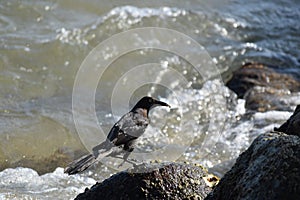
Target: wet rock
(155,181)
(263,99)
(292,125)
(269,169)
(254,74)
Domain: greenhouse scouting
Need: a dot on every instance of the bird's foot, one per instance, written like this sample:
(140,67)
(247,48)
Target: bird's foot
(132,161)
(120,165)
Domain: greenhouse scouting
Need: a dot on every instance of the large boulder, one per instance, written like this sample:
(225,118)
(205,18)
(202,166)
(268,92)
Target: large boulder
(268,169)
(155,181)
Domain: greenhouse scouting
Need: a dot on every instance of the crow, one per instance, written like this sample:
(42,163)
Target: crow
(121,137)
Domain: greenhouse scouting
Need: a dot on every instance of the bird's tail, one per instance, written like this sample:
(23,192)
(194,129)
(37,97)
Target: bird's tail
(100,151)
(80,164)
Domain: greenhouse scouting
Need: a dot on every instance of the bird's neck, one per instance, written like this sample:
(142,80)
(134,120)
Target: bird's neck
(142,111)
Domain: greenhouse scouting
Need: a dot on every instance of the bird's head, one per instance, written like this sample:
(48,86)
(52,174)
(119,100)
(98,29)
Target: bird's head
(149,103)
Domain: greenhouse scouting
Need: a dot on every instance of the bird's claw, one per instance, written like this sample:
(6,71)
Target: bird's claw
(120,165)
(132,161)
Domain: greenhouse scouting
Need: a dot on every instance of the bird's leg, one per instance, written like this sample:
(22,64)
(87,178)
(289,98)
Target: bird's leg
(129,160)
(125,159)
(128,150)
(118,156)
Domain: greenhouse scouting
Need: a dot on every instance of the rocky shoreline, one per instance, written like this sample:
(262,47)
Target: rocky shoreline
(268,169)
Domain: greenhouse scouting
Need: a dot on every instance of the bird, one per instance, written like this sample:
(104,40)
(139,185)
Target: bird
(121,137)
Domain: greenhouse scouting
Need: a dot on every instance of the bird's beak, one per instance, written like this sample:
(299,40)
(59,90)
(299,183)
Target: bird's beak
(160,103)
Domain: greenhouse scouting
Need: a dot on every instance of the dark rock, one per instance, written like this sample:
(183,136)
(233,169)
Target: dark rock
(292,125)
(269,169)
(254,74)
(155,181)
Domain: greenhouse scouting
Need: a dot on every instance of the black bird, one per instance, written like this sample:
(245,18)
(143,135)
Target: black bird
(121,137)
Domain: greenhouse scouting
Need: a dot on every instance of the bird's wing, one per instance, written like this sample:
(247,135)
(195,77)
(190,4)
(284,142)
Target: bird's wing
(129,127)
(114,133)
(102,148)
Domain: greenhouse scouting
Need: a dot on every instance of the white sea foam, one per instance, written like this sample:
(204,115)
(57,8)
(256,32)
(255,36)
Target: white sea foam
(273,115)
(25,183)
